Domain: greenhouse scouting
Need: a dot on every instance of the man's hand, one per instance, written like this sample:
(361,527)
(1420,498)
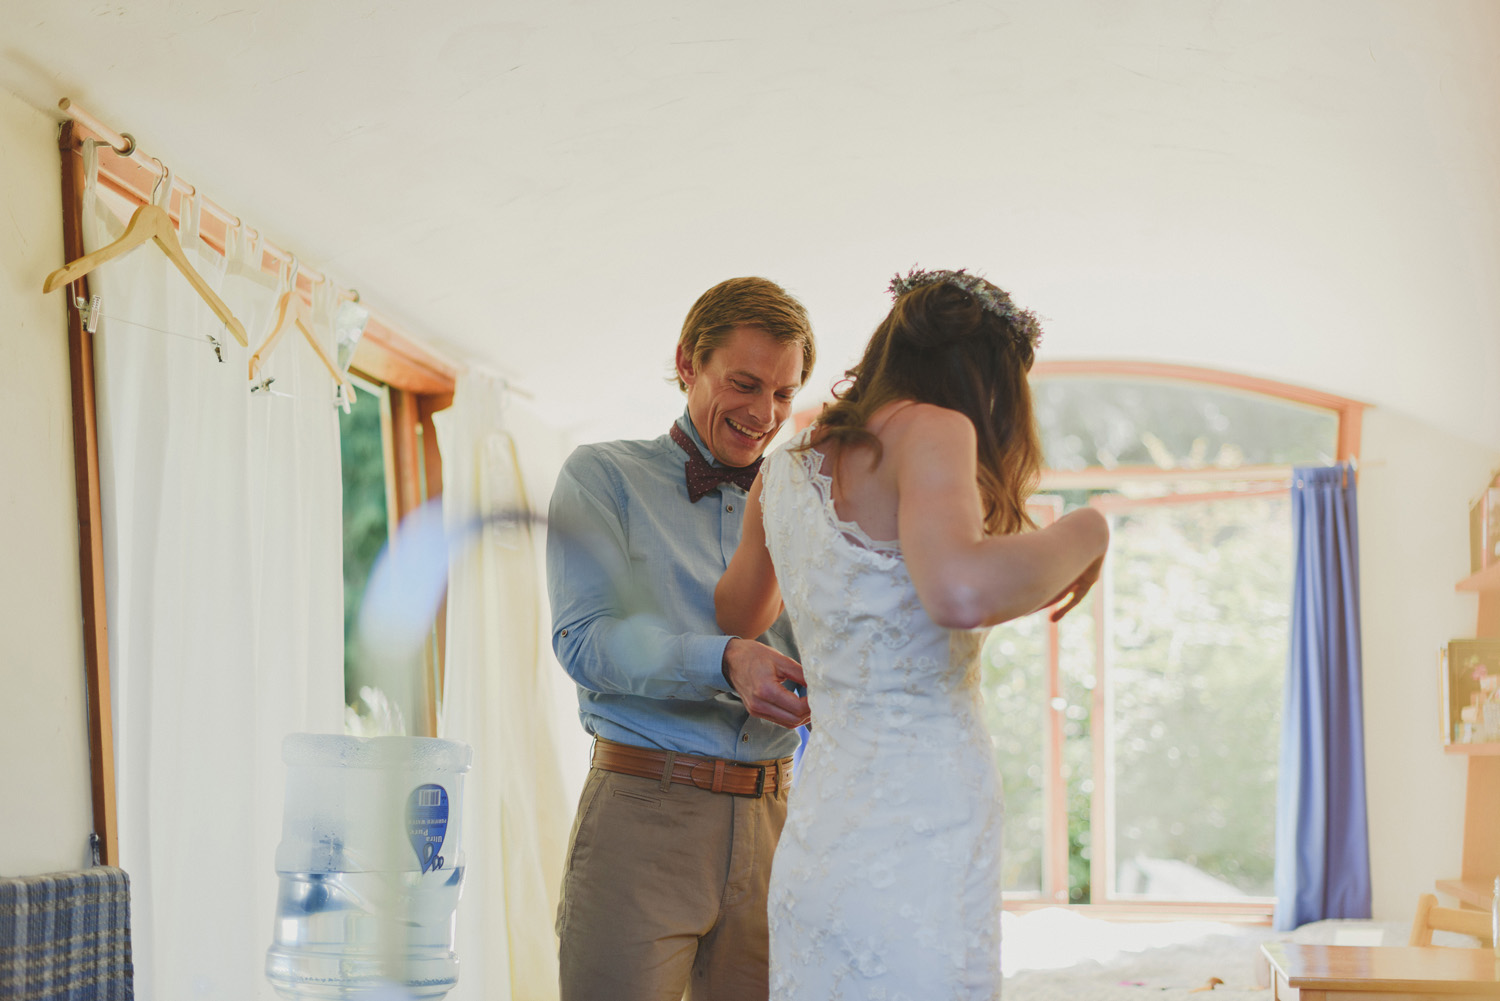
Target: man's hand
(756,672)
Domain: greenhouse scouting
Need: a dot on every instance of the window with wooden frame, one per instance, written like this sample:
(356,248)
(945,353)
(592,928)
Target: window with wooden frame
(1138,738)
(417,382)
(409,390)
(383,482)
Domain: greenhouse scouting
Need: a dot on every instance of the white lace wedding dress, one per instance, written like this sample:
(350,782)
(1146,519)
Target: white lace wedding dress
(886,881)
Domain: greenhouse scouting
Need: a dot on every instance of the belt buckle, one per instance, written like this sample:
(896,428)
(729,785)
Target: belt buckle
(760,782)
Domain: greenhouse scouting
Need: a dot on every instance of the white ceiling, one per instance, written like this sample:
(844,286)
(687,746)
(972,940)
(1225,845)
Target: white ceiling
(1301,190)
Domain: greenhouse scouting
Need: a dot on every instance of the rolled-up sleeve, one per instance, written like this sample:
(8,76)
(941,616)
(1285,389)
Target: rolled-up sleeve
(607,625)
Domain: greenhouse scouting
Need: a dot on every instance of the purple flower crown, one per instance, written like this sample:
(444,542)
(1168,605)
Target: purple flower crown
(1028,328)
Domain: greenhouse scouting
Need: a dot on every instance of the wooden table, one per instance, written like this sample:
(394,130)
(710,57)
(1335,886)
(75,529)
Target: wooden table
(1381,973)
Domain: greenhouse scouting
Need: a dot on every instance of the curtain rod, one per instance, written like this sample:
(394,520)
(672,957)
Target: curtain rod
(436,373)
(124,146)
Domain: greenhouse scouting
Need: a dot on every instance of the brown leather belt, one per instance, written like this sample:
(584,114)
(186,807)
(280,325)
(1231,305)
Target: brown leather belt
(714,774)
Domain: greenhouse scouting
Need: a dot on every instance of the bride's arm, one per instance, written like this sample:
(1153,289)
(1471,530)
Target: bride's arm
(963,577)
(748,599)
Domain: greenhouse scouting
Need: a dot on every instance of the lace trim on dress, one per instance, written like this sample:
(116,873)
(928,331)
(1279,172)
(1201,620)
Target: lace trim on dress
(812,462)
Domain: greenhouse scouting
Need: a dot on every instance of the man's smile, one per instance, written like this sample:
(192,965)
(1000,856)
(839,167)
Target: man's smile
(757,435)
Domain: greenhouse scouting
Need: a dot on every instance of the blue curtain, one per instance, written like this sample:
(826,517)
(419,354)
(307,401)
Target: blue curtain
(1322,839)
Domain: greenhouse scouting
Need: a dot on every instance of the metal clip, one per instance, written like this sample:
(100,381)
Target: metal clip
(264,385)
(90,312)
(94,847)
(218,347)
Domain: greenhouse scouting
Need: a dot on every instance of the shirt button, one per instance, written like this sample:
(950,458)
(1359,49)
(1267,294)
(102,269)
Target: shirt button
(729,508)
(744,738)
(565,632)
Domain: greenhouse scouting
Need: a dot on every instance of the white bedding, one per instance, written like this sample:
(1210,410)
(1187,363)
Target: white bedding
(1059,955)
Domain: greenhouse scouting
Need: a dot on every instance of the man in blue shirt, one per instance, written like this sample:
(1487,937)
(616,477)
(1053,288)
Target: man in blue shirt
(670,855)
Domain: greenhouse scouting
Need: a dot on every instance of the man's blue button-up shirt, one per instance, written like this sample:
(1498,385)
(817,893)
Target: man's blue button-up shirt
(631,571)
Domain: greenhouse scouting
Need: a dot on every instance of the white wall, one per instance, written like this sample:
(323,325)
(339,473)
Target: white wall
(44,762)
(1414,488)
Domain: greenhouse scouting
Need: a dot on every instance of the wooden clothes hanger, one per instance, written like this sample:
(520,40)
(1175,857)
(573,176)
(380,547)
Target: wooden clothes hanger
(291,311)
(150,222)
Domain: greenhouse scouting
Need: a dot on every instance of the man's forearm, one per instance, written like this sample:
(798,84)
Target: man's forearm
(640,656)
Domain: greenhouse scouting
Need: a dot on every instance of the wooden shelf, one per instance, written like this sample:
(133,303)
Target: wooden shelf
(1489,747)
(1481,850)
(1474,892)
(1487,579)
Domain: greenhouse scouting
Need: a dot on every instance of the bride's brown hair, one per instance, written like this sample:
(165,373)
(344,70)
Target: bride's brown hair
(941,345)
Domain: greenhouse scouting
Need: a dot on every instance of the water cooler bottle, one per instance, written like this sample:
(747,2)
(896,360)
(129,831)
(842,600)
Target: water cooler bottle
(370,867)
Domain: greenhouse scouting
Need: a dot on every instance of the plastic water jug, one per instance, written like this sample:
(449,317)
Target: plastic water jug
(370,866)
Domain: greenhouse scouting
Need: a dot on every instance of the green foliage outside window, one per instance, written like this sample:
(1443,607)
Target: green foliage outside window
(1015,707)
(1197,605)
(1198,630)
(1201,595)
(1103,422)
(366,521)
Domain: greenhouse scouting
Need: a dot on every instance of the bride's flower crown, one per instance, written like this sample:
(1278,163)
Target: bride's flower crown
(1025,323)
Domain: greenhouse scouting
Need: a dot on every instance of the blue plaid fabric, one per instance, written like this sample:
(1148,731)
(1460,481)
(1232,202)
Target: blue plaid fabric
(66,937)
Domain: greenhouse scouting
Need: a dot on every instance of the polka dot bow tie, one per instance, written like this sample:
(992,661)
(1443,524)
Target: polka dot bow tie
(701,477)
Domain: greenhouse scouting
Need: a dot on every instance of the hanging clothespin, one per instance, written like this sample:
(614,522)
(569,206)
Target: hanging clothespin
(293,313)
(90,312)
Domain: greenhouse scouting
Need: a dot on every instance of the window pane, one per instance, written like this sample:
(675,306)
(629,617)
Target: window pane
(1200,595)
(1098,422)
(1014,676)
(1077,663)
(366,521)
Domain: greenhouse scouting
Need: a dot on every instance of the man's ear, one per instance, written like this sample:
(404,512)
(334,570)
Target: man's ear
(685,370)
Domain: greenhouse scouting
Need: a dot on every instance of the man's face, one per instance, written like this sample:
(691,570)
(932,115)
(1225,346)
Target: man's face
(741,393)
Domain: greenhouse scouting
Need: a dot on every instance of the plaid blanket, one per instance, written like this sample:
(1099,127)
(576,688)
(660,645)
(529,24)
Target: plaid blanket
(66,937)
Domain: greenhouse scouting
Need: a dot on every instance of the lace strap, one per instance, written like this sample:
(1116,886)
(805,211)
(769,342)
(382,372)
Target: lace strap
(811,462)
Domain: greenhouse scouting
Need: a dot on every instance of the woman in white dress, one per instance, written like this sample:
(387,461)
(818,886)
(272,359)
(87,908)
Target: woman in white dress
(895,529)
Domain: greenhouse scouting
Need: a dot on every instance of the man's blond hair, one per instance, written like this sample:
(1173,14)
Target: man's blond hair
(745,302)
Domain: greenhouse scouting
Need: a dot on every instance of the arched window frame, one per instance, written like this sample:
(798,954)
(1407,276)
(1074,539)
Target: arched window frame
(1349,412)
(1265,480)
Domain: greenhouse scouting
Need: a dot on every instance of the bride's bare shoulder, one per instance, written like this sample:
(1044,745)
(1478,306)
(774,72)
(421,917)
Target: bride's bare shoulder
(908,420)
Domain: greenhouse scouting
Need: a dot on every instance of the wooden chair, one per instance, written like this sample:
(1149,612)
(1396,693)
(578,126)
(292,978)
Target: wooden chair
(1430,918)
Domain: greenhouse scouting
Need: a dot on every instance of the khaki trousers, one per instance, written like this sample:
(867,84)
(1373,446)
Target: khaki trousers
(664,894)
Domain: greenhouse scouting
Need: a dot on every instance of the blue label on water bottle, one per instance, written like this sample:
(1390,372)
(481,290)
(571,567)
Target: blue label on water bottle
(427,824)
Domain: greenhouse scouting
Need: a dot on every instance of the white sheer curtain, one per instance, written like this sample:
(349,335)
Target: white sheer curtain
(223,556)
(502,697)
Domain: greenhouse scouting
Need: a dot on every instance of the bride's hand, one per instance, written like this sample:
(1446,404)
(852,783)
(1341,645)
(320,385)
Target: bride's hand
(1076,591)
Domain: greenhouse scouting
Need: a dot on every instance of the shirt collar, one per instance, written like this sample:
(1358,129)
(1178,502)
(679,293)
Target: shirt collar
(686,423)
